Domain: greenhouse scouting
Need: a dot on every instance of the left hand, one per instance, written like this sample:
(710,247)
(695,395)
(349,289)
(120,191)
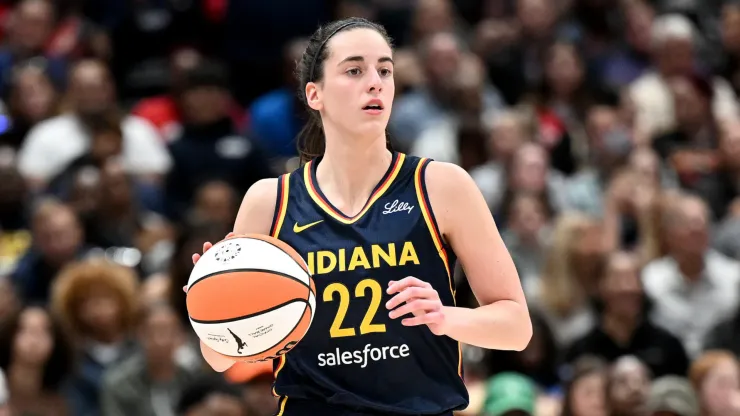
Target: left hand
(420,299)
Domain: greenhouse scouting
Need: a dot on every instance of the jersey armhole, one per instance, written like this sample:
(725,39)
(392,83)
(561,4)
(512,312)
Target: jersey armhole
(428,214)
(281,205)
(431,222)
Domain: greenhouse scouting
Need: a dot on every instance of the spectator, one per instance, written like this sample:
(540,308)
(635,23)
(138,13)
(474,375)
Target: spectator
(716,379)
(211,396)
(586,389)
(58,240)
(32,99)
(510,394)
(628,387)
(693,288)
(37,359)
(275,119)
(673,40)
(672,395)
(150,383)
(96,301)
(567,284)
(92,101)
(210,147)
(623,328)
(163,111)
(29,29)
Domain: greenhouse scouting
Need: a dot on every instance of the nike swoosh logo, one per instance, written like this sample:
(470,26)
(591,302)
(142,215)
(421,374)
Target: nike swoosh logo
(299,228)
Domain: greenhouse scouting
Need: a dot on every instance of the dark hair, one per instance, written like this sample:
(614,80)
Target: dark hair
(201,388)
(60,362)
(583,367)
(310,68)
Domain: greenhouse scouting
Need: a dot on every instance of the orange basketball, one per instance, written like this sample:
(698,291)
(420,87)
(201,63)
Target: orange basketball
(251,298)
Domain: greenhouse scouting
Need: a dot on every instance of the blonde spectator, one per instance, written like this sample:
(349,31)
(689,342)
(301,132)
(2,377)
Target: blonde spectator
(715,376)
(567,280)
(97,301)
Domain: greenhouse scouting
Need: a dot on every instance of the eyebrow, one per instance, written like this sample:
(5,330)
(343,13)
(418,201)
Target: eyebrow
(357,58)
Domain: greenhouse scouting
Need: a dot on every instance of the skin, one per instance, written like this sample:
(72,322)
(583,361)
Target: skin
(357,70)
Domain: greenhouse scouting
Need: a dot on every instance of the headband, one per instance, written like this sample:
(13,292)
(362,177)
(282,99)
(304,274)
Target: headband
(318,51)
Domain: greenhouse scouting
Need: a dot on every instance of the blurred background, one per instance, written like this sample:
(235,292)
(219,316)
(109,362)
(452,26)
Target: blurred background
(604,135)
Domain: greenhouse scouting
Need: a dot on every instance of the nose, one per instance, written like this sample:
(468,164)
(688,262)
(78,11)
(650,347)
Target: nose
(375,83)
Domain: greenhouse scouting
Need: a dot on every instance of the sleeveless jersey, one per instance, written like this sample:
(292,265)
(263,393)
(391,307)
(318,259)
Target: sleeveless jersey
(354,355)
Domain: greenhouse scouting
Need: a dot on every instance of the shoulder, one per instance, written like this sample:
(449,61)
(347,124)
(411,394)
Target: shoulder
(120,375)
(53,126)
(138,127)
(258,208)
(263,192)
(443,178)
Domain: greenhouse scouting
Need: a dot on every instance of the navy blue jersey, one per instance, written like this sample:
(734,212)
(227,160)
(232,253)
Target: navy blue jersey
(354,356)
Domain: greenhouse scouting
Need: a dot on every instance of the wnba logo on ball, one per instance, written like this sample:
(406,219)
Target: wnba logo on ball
(228,252)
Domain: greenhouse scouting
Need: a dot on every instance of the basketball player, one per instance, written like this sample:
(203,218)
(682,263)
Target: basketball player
(380,232)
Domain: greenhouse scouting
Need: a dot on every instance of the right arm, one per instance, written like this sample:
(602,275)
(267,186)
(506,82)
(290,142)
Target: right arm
(254,217)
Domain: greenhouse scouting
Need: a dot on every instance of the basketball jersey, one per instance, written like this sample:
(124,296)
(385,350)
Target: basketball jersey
(354,355)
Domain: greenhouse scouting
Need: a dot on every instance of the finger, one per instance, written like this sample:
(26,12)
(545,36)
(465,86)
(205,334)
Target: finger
(426,319)
(206,246)
(410,293)
(406,282)
(229,235)
(196,257)
(416,305)
(185,288)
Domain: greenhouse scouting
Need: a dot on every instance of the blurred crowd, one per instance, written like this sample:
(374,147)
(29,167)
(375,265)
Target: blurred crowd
(603,134)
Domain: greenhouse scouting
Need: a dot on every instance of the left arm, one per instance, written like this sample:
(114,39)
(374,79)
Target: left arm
(502,321)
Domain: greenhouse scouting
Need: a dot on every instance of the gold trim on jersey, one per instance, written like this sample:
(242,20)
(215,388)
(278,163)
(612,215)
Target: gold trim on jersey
(280,218)
(283,207)
(312,189)
(426,210)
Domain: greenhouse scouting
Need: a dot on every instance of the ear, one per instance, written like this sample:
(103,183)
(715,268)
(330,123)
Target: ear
(313,96)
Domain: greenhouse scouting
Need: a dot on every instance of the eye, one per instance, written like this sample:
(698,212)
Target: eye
(385,72)
(354,71)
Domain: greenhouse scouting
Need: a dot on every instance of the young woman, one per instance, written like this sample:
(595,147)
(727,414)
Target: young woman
(389,227)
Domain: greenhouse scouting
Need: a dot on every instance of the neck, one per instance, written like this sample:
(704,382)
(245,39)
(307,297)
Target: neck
(25,380)
(691,266)
(161,370)
(349,170)
(619,328)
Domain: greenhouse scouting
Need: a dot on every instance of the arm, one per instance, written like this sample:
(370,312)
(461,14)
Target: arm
(502,321)
(254,217)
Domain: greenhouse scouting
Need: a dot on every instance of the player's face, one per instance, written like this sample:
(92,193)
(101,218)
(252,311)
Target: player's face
(357,91)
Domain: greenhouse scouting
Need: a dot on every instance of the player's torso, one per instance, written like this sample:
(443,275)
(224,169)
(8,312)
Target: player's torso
(354,353)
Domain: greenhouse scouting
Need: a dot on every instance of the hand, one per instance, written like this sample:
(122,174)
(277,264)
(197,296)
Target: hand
(420,299)
(206,246)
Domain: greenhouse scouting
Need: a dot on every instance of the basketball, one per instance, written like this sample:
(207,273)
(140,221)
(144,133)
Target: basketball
(251,298)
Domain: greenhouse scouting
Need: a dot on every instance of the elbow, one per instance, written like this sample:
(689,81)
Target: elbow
(523,332)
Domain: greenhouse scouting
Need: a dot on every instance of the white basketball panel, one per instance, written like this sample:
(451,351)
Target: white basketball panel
(256,334)
(246,253)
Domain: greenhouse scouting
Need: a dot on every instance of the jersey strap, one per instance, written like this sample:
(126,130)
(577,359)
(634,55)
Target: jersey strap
(281,205)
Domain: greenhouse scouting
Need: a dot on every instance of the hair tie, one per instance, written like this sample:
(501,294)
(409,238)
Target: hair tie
(318,51)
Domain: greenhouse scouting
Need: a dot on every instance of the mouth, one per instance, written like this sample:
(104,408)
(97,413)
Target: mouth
(374,106)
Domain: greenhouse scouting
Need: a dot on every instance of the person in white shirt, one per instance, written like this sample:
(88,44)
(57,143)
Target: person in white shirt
(53,144)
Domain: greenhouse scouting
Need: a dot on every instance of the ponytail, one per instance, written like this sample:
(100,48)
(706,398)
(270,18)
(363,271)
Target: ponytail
(311,142)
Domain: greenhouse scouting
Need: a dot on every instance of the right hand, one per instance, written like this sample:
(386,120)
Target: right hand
(217,361)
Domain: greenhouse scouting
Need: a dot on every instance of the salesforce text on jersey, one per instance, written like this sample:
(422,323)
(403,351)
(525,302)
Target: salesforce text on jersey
(364,356)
